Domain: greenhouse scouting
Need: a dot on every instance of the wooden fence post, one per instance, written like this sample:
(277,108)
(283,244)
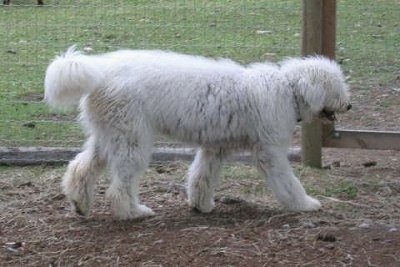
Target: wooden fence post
(329,28)
(319,37)
(328,48)
(311,133)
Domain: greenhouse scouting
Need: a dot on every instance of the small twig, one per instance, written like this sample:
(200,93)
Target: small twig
(344,201)
(258,251)
(368,259)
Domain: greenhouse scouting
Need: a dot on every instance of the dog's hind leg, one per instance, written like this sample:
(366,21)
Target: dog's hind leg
(128,162)
(79,180)
(203,177)
(275,166)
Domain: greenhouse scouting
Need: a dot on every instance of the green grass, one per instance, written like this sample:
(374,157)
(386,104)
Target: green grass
(246,31)
(368,41)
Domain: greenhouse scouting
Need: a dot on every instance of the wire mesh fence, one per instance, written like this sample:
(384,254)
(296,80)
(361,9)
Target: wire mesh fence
(244,30)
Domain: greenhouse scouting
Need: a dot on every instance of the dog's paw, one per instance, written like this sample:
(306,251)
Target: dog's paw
(308,204)
(202,207)
(80,200)
(141,211)
(81,208)
(312,204)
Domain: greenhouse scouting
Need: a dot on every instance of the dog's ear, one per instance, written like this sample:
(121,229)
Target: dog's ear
(313,94)
(318,82)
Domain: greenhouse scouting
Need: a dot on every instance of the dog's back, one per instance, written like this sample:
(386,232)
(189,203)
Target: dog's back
(72,75)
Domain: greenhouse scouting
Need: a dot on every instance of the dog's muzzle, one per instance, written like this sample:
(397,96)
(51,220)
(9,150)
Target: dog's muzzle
(327,114)
(331,115)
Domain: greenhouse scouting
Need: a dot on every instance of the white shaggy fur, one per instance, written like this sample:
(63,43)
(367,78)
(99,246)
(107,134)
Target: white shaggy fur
(127,96)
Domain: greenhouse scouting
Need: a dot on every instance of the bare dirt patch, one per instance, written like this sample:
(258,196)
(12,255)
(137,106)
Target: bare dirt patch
(358,225)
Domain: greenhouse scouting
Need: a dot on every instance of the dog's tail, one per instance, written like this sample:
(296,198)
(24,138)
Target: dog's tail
(71,76)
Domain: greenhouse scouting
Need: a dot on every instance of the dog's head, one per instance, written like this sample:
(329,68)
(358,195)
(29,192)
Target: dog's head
(319,87)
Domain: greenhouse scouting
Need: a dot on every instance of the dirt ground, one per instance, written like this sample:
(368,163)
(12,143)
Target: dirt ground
(358,225)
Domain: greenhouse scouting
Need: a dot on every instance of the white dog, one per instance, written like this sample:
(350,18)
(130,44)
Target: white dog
(127,96)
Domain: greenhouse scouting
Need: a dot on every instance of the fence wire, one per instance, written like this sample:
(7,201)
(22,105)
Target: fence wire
(244,30)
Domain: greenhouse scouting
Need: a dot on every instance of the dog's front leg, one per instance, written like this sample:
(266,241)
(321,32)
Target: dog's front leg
(273,163)
(203,177)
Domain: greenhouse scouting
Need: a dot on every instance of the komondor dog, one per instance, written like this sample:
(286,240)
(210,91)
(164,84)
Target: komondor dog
(128,96)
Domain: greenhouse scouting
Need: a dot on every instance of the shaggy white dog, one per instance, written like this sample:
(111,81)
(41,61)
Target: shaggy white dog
(127,96)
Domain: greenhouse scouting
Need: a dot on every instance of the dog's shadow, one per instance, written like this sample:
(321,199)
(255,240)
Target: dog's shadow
(230,211)
(231,215)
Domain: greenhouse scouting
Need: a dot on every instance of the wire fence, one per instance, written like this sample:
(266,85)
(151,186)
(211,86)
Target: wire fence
(244,30)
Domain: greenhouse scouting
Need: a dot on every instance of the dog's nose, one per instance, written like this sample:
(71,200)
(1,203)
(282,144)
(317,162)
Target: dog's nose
(349,106)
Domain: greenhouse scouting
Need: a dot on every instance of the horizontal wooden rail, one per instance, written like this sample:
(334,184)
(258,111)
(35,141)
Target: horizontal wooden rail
(361,139)
(53,155)
(379,140)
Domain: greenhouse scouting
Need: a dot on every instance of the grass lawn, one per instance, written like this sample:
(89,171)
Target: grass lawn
(246,31)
